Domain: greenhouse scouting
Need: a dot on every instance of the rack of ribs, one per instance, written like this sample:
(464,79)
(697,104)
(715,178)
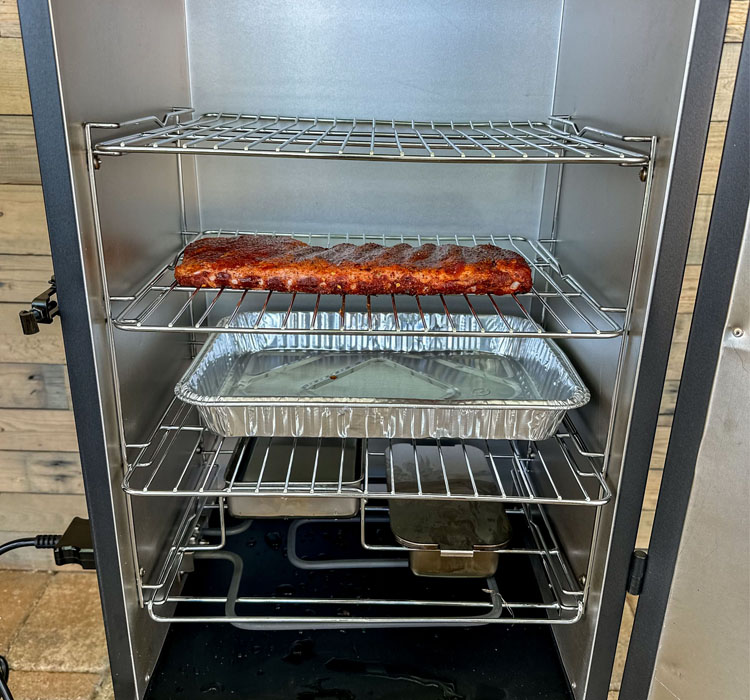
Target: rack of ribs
(284,264)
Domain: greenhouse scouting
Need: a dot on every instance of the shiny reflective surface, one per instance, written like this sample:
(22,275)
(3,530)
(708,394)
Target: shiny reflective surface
(381,386)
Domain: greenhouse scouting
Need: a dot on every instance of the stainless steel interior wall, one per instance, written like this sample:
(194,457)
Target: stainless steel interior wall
(386,59)
(118,61)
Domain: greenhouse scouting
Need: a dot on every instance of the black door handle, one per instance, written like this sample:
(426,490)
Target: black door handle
(43,310)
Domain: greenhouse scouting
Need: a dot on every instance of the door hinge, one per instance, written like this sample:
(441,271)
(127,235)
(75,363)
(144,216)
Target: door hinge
(638,562)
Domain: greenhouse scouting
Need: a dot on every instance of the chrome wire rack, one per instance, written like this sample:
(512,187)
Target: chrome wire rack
(560,471)
(570,311)
(524,141)
(480,602)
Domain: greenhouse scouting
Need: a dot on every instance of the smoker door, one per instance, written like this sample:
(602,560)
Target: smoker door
(691,638)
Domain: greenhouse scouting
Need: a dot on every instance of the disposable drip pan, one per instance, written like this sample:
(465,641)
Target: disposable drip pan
(382,386)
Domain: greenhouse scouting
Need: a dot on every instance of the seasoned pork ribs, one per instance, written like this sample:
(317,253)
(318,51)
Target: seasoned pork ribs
(283,264)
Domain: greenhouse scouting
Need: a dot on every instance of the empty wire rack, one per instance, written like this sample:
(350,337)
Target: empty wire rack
(483,141)
(161,304)
(181,458)
(479,602)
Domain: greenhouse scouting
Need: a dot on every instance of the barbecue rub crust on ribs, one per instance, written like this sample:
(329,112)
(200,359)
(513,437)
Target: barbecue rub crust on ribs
(283,264)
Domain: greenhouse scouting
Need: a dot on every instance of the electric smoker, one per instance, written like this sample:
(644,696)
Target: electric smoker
(571,132)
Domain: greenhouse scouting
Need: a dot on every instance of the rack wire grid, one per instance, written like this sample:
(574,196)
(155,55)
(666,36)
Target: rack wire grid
(161,304)
(560,471)
(561,602)
(555,139)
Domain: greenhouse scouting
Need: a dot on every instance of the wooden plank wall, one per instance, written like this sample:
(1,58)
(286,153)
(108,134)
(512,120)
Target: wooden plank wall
(40,479)
(40,483)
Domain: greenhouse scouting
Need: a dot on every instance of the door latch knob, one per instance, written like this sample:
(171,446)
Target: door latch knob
(43,310)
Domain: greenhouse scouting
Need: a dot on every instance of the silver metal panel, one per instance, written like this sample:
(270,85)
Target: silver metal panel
(705,642)
(386,59)
(114,65)
(327,196)
(622,66)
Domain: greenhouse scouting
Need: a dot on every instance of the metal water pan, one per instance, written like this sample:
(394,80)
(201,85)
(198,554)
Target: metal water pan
(296,466)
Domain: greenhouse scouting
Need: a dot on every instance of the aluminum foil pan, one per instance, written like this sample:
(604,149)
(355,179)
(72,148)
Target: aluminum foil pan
(382,386)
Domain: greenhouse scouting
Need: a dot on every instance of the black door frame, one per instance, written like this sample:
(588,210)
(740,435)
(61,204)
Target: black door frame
(702,74)
(725,235)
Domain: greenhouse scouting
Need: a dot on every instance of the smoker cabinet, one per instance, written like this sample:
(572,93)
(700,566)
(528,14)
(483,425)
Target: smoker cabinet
(571,132)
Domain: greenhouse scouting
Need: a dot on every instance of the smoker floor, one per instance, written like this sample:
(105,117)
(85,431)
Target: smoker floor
(493,662)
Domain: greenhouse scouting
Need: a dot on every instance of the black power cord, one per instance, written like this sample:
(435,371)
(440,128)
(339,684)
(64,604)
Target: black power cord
(4,672)
(73,547)
(40,542)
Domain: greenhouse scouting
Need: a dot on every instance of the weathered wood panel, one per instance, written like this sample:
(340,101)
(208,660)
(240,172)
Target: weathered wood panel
(18,162)
(676,360)
(41,429)
(45,347)
(14,88)
(40,472)
(644,529)
(661,441)
(27,385)
(652,489)
(714,148)
(682,327)
(730,59)
(22,277)
(669,397)
(665,421)
(40,512)
(23,224)
(689,288)
(703,208)
(737,17)
(9,24)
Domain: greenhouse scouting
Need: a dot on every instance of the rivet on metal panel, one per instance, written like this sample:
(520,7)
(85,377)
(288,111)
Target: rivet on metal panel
(643,173)
(582,579)
(738,332)
(97,162)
